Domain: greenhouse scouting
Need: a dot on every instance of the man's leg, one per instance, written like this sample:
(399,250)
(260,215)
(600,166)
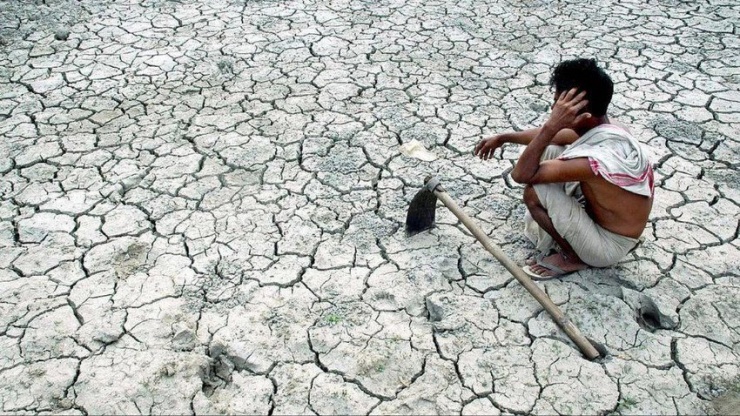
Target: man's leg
(567,260)
(542,239)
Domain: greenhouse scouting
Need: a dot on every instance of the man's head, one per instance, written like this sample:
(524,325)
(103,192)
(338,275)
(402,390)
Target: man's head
(585,75)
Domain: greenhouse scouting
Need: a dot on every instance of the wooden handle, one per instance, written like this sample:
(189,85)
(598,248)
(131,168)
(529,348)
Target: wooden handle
(558,316)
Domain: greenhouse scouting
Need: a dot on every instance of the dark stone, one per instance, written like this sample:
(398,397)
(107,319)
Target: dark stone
(61,34)
(436,313)
(650,318)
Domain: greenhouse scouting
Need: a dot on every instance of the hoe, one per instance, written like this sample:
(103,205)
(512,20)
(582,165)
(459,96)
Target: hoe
(421,217)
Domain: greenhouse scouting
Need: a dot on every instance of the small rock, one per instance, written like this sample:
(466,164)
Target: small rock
(61,34)
(183,339)
(224,368)
(436,313)
(216,349)
(105,337)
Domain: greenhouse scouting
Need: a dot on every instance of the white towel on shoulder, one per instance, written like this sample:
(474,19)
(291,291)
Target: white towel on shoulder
(615,155)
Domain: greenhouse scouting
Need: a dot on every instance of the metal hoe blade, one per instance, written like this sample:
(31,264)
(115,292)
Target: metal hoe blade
(423,208)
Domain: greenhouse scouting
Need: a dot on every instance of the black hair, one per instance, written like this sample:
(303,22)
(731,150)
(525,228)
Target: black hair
(585,75)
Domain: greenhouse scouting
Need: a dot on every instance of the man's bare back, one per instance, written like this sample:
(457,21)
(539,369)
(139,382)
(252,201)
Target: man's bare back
(615,209)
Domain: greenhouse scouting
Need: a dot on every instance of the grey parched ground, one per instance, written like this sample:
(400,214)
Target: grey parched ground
(202,208)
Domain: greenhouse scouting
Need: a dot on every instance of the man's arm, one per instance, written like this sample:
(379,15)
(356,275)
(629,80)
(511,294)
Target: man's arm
(564,115)
(529,162)
(562,138)
(486,147)
(556,170)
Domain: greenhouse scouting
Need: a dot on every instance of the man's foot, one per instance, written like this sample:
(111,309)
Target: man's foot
(531,261)
(552,266)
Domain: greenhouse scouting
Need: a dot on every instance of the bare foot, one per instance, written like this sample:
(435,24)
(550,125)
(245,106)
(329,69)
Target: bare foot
(556,265)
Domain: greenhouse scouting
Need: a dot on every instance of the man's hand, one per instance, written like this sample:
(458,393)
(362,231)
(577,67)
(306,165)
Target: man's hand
(486,147)
(565,110)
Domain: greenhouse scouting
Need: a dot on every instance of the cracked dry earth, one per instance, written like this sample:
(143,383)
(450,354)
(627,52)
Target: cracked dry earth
(202,208)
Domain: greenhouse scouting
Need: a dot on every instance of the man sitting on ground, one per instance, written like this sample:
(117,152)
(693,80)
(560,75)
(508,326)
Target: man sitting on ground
(589,184)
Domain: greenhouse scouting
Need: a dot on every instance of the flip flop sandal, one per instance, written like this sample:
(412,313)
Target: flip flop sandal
(558,272)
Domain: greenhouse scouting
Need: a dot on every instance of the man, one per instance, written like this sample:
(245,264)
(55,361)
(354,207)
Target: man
(588,183)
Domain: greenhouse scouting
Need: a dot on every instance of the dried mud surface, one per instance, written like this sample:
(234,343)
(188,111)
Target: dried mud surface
(202,206)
